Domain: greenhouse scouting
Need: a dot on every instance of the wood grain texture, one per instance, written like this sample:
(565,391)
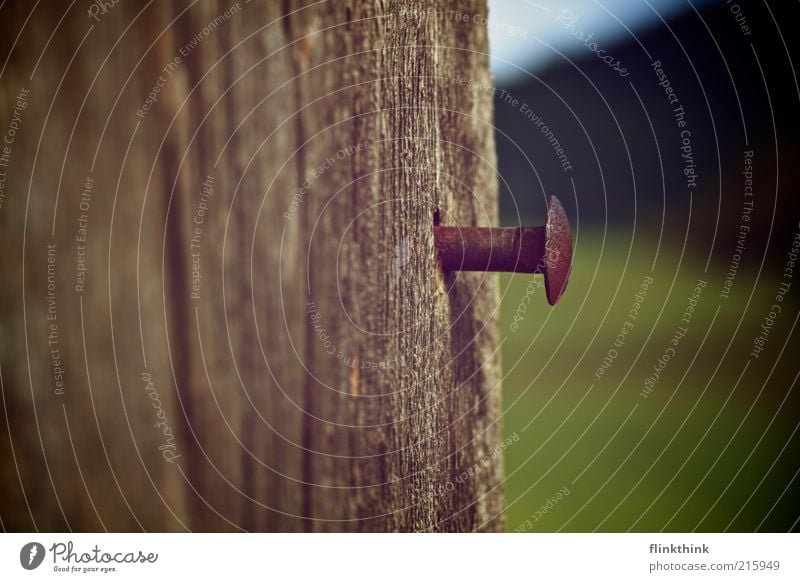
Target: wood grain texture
(325,376)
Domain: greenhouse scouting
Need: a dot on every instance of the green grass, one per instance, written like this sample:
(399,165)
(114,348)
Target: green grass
(631,462)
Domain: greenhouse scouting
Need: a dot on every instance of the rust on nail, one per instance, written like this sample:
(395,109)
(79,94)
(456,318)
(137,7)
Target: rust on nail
(558,249)
(527,249)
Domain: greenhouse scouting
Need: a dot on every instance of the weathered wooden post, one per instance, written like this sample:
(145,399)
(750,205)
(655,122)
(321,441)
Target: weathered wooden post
(264,182)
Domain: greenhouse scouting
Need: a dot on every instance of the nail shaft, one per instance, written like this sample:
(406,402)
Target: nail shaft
(507,249)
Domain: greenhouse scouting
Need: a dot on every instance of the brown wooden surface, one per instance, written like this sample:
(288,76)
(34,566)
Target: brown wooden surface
(397,428)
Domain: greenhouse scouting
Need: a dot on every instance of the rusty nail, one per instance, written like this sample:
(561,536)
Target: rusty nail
(527,249)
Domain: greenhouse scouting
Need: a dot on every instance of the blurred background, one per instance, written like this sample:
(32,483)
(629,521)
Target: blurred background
(675,154)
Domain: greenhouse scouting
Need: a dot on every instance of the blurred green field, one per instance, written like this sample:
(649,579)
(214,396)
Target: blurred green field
(712,448)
